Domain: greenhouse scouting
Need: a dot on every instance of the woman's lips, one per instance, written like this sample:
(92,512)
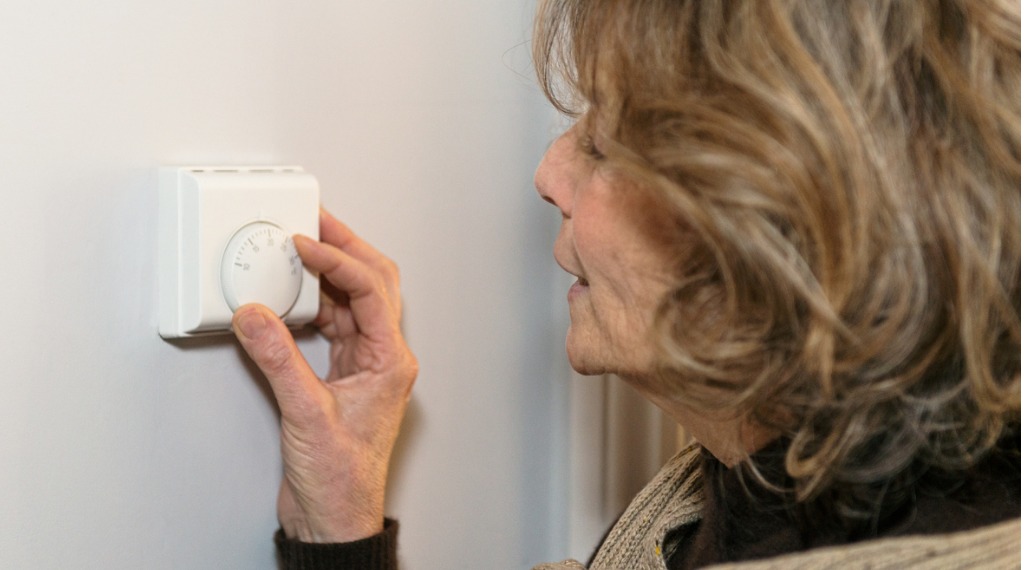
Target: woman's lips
(578,288)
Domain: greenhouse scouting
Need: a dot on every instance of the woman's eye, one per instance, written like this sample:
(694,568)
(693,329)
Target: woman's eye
(589,147)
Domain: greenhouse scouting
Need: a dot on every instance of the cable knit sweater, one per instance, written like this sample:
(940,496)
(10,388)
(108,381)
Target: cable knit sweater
(675,497)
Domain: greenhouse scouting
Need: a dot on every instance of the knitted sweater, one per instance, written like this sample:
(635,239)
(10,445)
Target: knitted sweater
(675,497)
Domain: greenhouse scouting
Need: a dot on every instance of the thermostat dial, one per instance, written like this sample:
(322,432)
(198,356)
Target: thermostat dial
(261,265)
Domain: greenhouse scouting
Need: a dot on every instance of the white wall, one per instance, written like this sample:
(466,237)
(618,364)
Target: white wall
(421,121)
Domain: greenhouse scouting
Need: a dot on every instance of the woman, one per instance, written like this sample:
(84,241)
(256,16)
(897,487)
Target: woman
(796,228)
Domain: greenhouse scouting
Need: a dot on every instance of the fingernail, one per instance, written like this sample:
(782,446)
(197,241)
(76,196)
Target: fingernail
(252,324)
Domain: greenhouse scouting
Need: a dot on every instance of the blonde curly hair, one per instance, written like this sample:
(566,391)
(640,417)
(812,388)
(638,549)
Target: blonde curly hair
(850,173)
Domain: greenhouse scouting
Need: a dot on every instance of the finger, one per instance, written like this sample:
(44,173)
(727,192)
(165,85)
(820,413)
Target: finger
(336,233)
(339,235)
(332,292)
(270,345)
(334,320)
(373,311)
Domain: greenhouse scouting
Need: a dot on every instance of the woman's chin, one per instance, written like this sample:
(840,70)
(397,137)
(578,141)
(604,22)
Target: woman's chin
(581,356)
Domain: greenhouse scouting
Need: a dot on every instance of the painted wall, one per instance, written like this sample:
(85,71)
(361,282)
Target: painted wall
(423,125)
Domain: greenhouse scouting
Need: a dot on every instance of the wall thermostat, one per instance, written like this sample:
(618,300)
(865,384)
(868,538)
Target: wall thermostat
(226,240)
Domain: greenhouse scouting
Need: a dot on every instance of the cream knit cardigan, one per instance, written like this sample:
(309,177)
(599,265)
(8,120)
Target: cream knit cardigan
(674,498)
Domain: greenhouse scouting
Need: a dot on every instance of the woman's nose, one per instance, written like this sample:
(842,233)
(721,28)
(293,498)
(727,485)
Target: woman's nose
(554,178)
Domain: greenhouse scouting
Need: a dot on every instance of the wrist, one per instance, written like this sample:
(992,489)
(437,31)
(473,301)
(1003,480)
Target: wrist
(328,532)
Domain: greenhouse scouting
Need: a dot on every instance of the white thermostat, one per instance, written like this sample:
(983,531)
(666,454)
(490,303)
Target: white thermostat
(226,240)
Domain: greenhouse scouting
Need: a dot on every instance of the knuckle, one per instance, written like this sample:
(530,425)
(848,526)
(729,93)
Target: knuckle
(411,371)
(390,269)
(410,366)
(276,358)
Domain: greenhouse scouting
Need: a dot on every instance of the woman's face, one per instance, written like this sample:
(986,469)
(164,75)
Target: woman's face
(615,240)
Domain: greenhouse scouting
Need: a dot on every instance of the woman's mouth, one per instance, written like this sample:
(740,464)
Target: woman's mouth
(578,288)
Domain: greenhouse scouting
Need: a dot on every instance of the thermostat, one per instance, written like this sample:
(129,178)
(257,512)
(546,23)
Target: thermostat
(226,240)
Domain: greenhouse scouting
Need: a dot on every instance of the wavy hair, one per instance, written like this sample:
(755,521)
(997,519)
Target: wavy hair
(850,175)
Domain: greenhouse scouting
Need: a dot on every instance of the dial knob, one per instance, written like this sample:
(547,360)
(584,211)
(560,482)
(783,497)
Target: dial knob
(260,265)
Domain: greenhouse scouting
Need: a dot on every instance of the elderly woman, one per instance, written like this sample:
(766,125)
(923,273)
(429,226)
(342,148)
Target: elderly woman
(796,228)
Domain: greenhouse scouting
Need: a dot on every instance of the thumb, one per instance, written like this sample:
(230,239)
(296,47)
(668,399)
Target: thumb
(269,343)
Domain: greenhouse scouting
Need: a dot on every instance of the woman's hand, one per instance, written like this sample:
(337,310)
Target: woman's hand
(337,434)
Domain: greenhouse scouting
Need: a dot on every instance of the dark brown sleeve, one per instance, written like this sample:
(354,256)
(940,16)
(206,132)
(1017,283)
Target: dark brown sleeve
(378,552)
